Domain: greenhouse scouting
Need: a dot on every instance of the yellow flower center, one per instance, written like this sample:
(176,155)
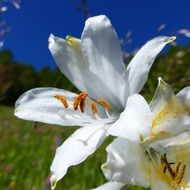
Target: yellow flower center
(170,173)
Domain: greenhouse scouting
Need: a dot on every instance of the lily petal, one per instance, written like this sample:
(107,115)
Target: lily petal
(177,147)
(101,50)
(69,58)
(126,163)
(138,69)
(41,105)
(82,143)
(170,116)
(135,121)
(184,96)
(162,94)
(157,183)
(110,186)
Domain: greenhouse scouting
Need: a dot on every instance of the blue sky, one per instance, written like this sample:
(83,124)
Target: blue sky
(32,25)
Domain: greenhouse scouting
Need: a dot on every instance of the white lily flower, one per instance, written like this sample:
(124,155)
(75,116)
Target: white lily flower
(95,66)
(162,159)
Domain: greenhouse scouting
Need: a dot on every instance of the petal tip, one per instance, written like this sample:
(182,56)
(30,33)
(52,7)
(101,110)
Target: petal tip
(163,85)
(51,39)
(160,79)
(161,82)
(97,19)
(53,181)
(170,39)
(106,170)
(15,112)
(105,167)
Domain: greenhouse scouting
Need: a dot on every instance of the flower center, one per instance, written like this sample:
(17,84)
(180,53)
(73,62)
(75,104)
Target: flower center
(176,171)
(79,103)
(172,173)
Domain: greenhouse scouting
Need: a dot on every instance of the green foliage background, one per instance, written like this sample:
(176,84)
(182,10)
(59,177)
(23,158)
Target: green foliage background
(27,148)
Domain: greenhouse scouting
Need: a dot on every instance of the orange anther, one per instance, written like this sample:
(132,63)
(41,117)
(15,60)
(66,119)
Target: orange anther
(63,100)
(79,101)
(82,102)
(93,108)
(76,103)
(104,103)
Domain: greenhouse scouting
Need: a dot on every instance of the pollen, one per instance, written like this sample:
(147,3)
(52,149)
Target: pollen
(171,109)
(104,103)
(79,101)
(82,102)
(93,107)
(62,99)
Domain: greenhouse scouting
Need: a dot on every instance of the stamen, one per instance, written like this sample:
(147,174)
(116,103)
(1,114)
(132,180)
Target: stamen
(180,177)
(63,100)
(106,106)
(154,154)
(93,108)
(164,169)
(168,167)
(104,103)
(79,101)
(76,103)
(176,170)
(150,153)
(82,101)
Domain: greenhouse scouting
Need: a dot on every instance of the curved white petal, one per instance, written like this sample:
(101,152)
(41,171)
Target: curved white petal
(110,186)
(135,121)
(162,94)
(138,69)
(184,96)
(126,163)
(41,105)
(77,148)
(177,147)
(69,58)
(170,116)
(102,52)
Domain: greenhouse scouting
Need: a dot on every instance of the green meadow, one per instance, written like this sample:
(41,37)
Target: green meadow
(26,152)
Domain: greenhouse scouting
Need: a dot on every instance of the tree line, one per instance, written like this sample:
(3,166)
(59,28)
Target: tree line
(16,77)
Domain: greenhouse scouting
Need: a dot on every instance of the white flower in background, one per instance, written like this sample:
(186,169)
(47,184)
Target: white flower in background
(162,159)
(95,66)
